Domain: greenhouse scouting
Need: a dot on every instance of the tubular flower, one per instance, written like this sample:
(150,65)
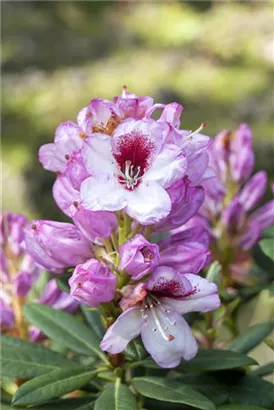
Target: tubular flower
(165,333)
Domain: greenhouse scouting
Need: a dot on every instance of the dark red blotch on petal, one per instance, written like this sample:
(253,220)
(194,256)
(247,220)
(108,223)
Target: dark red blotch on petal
(135,148)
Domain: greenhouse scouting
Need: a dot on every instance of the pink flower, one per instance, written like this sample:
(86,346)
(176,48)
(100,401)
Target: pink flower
(132,106)
(138,257)
(92,283)
(68,139)
(132,171)
(165,333)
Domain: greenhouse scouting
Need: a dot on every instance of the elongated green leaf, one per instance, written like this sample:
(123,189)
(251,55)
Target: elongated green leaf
(93,317)
(267,246)
(117,397)
(62,327)
(264,370)
(28,363)
(172,391)
(232,386)
(239,407)
(81,403)
(135,350)
(53,384)
(216,360)
(251,338)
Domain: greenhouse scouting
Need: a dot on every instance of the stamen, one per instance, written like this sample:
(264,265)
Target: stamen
(124,91)
(130,178)
(191,133)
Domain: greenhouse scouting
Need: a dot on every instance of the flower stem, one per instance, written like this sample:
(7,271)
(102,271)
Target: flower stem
(17,303)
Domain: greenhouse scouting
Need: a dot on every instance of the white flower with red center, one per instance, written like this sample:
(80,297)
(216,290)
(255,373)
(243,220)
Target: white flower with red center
(132,170)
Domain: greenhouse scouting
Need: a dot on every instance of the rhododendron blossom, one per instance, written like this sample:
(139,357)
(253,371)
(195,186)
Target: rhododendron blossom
(165,333)
(123,178)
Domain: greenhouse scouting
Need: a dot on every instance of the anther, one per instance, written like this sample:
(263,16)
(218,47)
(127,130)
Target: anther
(67,157)
(34,227)
(76,204)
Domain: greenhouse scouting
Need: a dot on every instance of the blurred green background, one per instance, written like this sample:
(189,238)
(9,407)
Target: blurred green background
(216,58)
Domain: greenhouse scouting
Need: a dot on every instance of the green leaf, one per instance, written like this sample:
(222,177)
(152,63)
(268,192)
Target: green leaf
(216,360)
(135,350)
(239,407)
(82,403)
(232,386)
(30,362)
(264,370)
(214,273)
(267,246)
(62,284)
(251,338)
(93,318)
(51,385)
(172,391)
(117,397)
(65,328)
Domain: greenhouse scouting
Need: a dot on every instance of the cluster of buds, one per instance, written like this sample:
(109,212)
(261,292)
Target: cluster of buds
(18,273)
(231,197)
(125,179)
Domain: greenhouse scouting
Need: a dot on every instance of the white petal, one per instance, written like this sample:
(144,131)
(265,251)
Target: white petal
(174,341)
(203,298)
(102,193)
(97,155)
(169,166)
(148,203)
(126,328)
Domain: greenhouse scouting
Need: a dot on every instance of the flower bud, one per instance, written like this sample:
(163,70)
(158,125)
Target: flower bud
(7,316)
(22,283)
(12,231)
(92,283)
(253,191)
(233,216)
(264,216)
(138,257)
(57,245)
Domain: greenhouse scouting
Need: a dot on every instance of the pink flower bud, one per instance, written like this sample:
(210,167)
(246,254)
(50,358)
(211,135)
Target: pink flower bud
(253,190)
(92,283)
(57,245)
(7,316)
(138,257)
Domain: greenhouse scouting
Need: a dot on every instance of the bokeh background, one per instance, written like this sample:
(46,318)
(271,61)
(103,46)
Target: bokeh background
(214,57)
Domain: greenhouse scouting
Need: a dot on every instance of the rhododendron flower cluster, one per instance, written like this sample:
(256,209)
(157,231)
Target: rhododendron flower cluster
(124,178)
(18,272)
(231,197)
